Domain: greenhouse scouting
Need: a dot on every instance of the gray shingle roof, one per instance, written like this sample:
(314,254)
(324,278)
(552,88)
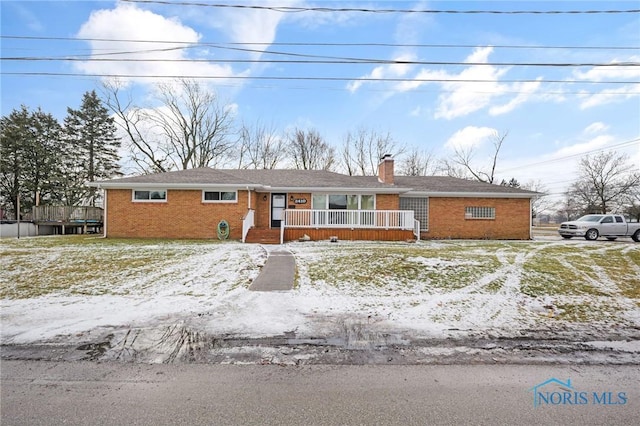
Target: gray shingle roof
(303,179)
(450,184)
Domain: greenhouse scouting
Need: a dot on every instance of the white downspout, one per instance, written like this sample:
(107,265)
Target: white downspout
(104,215)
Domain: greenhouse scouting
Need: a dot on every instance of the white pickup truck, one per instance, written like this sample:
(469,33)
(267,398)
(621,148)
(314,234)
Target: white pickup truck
(592,226)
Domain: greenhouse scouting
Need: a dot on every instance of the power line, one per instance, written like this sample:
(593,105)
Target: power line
(374,90)
(307,78)
(349,61)
(293,9)
(566,157)
(319,44)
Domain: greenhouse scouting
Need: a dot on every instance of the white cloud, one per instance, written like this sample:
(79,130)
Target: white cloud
(462,94)
(128,22)
(463,98)
(595,127)
(386,71)
(526,90)
(611,72)
(608,96)
(582,147)
(416,112)
(470,136)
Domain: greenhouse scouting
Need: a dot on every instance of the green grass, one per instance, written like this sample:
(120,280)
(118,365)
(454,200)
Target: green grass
(88,265)
(587,282)
(379,267)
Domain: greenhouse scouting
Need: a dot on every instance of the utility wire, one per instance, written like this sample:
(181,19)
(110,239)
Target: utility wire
(566,157)
(374,90)
(316,44)
(325,61)
(283,78)
(293,9)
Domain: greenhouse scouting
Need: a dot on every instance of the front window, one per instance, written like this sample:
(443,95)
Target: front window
(319,202)
(343,202)
(367,202)
(337,202)
(219,196)
(152,195)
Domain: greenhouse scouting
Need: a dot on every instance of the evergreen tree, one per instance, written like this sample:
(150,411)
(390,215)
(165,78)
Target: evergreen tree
(14,139)
(30,158)
(93,145)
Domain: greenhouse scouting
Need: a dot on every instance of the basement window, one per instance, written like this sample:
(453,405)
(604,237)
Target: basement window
(219,196)
(150,195)
(480,213)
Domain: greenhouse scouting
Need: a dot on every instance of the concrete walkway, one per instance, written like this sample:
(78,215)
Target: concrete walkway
(277,274)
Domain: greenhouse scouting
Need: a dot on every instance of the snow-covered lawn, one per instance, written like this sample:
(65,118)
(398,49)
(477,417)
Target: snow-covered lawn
(53,287)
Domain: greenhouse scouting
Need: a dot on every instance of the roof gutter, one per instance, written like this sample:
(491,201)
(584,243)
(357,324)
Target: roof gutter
(195,186)
(452,194)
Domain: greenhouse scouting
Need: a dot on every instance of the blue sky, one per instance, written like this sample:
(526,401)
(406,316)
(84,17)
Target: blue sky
(586,109)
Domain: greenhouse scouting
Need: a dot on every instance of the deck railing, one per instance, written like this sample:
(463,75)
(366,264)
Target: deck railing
(68,214)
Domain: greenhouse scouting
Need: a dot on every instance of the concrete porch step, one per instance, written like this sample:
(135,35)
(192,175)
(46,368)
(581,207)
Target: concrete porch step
(263,236)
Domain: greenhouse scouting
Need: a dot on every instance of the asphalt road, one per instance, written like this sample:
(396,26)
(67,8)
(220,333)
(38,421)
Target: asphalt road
(87,393)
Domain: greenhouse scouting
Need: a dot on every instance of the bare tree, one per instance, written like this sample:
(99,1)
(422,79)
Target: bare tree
(362,150)
(260,147)
(417,163)
(309,151)
(633,204)
(568,209)
(142,144)
(606,179)
(190,129)
(462,162)
(197,129)
(540,203)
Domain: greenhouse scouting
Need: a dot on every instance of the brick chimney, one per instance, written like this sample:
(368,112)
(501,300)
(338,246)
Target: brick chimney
(385,169)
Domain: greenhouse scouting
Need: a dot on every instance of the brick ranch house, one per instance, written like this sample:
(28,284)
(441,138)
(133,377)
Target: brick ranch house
(284,205)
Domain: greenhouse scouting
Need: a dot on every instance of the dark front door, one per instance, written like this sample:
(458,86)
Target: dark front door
(278,204)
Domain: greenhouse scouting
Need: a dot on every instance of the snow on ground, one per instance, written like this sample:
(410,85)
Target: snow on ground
(425,289)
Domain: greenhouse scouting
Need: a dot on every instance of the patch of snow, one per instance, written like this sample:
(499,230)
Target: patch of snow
(208,290)
(632,346)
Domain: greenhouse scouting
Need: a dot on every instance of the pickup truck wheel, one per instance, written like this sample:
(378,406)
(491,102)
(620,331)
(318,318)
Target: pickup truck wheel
(591,234)
(636,236)
(612,238)
(567,237)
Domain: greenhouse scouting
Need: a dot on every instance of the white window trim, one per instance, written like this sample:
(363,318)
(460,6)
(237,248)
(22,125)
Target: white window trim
(327,194)
(220,201)
(133,195)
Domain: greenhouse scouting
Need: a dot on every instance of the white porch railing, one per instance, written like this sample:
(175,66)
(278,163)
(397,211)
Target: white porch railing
(361,219)
(247,223)
(416,229)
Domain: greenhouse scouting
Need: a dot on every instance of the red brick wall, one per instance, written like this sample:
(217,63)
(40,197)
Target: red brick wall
(387,202)
(184,215)
(447,219)
(262,209)
(292,234)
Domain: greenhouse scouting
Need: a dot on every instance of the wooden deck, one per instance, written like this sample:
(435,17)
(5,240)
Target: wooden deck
(69,219)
